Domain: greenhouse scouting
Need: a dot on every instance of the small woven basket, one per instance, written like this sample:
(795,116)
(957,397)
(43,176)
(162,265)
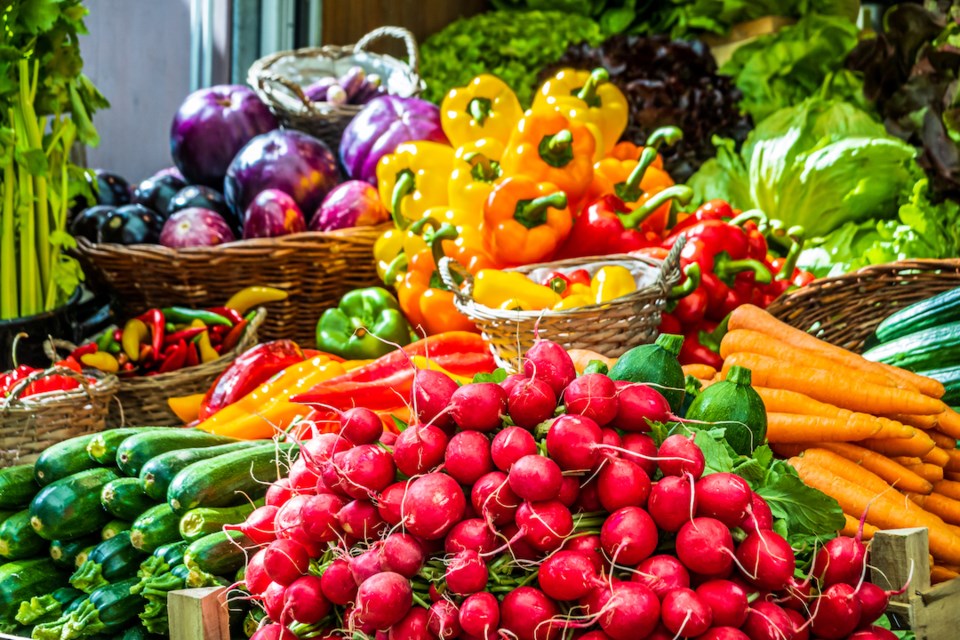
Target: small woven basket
(610,328)
(315,268)
(279,80)
(30,425)
(845,310)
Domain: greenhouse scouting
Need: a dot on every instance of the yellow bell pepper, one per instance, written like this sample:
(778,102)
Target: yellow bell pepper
(391,244)
(484,108)
(580,296)
(414,178)
(590,98)
(476,170)
(611,282)
(492,288)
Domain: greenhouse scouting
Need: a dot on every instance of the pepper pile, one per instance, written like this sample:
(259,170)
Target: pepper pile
(45,384)
(559,290)
(172,338)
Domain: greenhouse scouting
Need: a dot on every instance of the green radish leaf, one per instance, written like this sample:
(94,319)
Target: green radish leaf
(806,510)
(716,452)
(498,376)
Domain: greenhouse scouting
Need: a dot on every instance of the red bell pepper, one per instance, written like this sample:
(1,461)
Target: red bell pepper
(711,210)
(670,324)
(561,282)
(694,351)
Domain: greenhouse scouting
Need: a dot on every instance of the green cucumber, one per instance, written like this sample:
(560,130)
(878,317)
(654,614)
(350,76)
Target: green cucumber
(218,554)
(113,528)
(197,523)
(103,447)
(18,540)
(108,609)
(941,309)
(17,486)
(63,459)
(124,498)
(112,560)
(734,405)
(926,349)
(156,474)
(70,508)
(47,607)
(64,552)
(135,451)
(24,579)
(154,528)
(949,377)
(657,365)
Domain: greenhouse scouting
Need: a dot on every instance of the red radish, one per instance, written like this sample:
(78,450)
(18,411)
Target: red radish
(387,438)
(305,602)
(630,610)
(319,450)
(589,546)
(493,499)
(390,502)
(661,633)
(330,477)
(535,478)
(637,406)
(568,575)
(467,457)
(524,613)
(662,574)
(273,601)
(758,515)
(723,496)
(360,425)
(600,635)
(466,573)
(383,600)
(285,561)
(685,613)
(611,439)
(622,484)
(510,445)
(678,455)
(797,595)
(273,631)
(278,493)
(302,478)
(479,406)
(644,451)
(337,583)
(873,632)
(355,624)
(724,633)
(401,553)
(518,547)
(443,620)
(628,536)
(767,621)
(320,520)
(419,449)
(366,469)
(766,559)
(365,565)
(480,615)
(432,391)
(288,518)
(549,362)
(589,498)
(260,526)
(672,502)
(801,630)
(837,612)
(530,403)
(841,560)
(360,519)
(255,576)
(433,504)
(594,396)
(727,601)
(471,534)
(412,627)
(545,525)
(569,490)
(873,601)
(705,546)
(512,381)
(573,441)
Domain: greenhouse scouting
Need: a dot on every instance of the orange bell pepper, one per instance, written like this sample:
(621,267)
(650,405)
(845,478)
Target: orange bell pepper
(628,151)
(525,221)
(187,408)
(548,147)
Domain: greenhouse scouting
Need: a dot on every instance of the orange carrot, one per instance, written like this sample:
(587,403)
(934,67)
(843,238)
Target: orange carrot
(942,574)
(931,472)
(943,441)
(953,459)
(784,401)
(892,473)
(792,428)
(946,508)
(948,488)
(948,422)
(826,386)
(848,469)
(920,422)
(906,460)
(918,444)
(699,371)
(851,526)
(937,456)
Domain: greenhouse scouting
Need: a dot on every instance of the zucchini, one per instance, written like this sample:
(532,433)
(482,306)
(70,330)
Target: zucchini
(103,447)
(926,349)
(226,479)
(114,527)
(64,552)
(197,523)
(63,459)
(18,540)
(124,498)
(82,556)
(158,472)
(110,561)
(107,610)
(70,508)
(219,554)
(47,607)
(154,528)
(24,579)
(949,377)
(941,309)
(17,486)
(734,405)
(135,451)
(655,364)
(162,559)
(134,633)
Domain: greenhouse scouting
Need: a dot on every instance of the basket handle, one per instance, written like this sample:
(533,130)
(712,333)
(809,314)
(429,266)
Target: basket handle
(264,81)
(393,32)
(671,263)
(21,386)
(447,268)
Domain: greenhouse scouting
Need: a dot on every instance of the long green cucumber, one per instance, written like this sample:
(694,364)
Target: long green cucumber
(941,309)
(931,348)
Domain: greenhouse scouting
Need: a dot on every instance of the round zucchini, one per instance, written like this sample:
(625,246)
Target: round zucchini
(655,364)
(734,405)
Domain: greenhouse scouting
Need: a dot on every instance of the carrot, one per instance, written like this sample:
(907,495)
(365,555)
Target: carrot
(885,512)
(942,440)
(942,574)
(826,386)
(947,508)
(699,371)
(931,472)
(937,456)
(851,526)
(918,444)
(784,401)
(848,469)
(914,420)
(953,459)
(793,428)
(582,357)
(948,422)
(891,472)
(948,488)
(891,429)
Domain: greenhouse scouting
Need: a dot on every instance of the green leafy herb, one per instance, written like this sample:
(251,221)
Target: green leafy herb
(498,376)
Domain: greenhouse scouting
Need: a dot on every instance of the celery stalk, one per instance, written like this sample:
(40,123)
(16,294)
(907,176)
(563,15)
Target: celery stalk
(8,250)
(40,229)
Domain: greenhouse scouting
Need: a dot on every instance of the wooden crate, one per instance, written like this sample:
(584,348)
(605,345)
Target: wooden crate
(198,614)
(931,612)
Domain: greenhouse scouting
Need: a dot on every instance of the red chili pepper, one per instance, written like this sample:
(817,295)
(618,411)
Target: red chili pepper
(233,337)
(608,226)
(193,359)
(146,353)
(184,334)
(174,358)
(157,324)
(230,314)
(90,347)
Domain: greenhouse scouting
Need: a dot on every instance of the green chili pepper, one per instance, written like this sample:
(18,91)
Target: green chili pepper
(185,315)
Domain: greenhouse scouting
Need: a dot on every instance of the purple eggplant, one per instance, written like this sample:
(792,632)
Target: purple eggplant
(195,227)
(354,203)
(352,81)
(272,213)
(372,87)
(383,124)
(112,190)
(156,192)
(317,92)
(131,224)
(87,223)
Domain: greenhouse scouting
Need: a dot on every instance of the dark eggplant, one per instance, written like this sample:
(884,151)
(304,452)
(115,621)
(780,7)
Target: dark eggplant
(197,196)
(132,224)
(157,191)
(88,222)
(112,189)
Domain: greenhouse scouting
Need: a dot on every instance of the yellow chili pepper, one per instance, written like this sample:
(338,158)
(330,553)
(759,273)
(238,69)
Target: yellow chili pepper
(580,296)
(484,108)
(590,98)
(492,288)
(101,360)
(611,282)
(187,408)
(246,299)
(207,352)
(134,332)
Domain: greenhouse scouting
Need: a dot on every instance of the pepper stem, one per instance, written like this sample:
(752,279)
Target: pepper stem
(670,343)
(557,149)
(664,135)
(435,239)
(797,236)
(396,267)
(629,190)
(681,193)
(479,109)
(689,284)
(405,185)
(482,168)
(726,269)
(533,213)
(739,375)
(756,215)
(588,92)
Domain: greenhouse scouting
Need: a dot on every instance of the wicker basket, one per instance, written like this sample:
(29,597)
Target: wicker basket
(279,80)
(846,310)
(610,328)
(315,268)
(30,425)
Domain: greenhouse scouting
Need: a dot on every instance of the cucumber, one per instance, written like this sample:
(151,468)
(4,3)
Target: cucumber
(926,349)
(949,377)
(197,523)
(63,459)
(47,607)
(124,498)
(103,447)
(108,609)
(24,579)
(17,486)
(734,405)
(18,540)
(227,479)
(655,364)
(112,560)
(219,554)
(157,473)
(70,508)
(135,451)
(941,309)
(114,527)
(154,528)
(64,552)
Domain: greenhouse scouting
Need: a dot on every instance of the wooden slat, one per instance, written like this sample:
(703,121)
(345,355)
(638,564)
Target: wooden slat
(198,614)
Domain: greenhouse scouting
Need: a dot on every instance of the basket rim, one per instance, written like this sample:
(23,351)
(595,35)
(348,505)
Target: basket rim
(105,385)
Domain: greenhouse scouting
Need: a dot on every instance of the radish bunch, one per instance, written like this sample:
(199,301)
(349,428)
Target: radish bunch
(496,515)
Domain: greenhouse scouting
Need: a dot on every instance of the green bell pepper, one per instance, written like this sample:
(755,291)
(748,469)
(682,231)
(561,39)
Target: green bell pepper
(363,325)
